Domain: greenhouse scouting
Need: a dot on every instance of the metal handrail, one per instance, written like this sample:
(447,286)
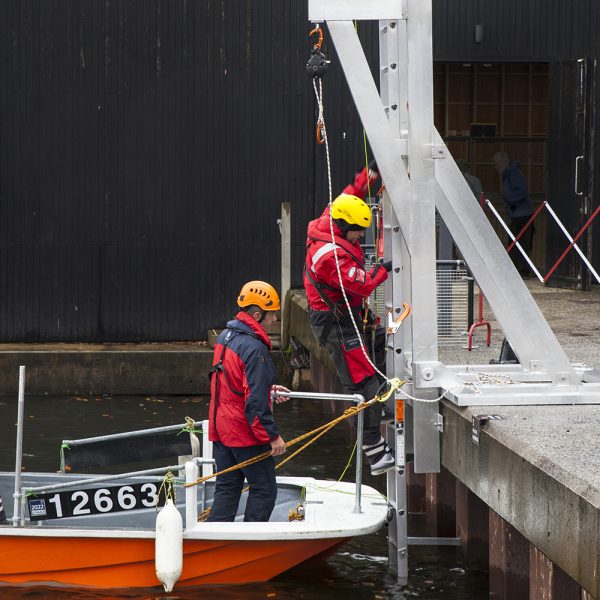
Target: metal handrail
(127,434)
(101,478)
(358,399)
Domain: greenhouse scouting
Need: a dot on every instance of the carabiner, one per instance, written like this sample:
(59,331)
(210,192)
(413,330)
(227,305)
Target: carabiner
(394,325)
(320,130)
(318,30)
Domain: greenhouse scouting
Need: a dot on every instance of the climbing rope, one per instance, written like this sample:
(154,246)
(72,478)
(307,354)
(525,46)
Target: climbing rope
(190,427)
(321,119)
(323,129)
(168,487)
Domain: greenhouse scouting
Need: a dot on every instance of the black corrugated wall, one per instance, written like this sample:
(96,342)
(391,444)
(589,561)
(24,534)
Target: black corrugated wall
(145,149)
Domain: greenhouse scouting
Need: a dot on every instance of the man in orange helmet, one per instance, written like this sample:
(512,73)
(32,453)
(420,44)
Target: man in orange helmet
(241,423)
(328,313)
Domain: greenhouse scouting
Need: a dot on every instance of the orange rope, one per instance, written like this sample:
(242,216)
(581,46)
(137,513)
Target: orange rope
(321,430)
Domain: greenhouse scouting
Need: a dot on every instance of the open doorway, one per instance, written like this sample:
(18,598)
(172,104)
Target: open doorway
(481,109)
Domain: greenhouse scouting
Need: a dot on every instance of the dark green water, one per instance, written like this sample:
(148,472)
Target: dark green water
(358,571)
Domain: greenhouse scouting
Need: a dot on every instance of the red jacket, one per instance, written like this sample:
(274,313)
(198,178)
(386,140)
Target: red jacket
(360,185)
(320,261)
(240,406)
(320,258)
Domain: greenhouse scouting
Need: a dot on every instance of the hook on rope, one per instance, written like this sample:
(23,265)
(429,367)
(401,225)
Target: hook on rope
(394,325)
(317,62)
(320,132)
(395,384)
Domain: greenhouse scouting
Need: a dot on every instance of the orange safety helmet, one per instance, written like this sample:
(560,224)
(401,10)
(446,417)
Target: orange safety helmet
(259,293)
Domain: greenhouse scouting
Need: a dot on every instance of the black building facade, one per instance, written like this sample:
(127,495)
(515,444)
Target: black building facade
(146,147)
(145,150)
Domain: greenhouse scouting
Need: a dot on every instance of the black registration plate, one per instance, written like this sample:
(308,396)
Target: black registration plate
(80,503)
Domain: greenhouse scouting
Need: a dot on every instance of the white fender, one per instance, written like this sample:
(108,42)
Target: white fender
(168,557)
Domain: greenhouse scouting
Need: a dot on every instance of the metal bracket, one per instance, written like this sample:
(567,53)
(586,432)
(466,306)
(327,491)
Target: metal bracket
(348,10)
(438,151)
(439,423)
(478,423)
(428,374)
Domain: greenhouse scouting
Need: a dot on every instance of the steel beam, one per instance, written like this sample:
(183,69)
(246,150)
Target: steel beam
(347,10)
(522,321)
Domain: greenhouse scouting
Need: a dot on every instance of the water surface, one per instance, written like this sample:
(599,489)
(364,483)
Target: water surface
(358,570)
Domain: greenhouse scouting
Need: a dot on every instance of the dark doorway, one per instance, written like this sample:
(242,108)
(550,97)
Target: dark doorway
(571,166)
(484,108)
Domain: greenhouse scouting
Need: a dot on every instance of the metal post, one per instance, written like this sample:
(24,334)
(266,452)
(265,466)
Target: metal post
(359,443)
(286,253)
(191,495)
(470,300)
(19,451)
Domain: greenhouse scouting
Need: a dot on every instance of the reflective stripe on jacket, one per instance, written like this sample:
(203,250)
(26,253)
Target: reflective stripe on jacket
(243,372)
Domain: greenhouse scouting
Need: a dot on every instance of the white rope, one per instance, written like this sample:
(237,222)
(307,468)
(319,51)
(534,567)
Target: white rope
(321,120)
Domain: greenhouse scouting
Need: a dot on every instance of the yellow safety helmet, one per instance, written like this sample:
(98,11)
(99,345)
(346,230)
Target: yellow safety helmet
(258,293)
(351,209)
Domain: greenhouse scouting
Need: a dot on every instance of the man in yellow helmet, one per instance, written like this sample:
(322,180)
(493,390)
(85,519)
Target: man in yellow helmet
(241,423)
(328,312)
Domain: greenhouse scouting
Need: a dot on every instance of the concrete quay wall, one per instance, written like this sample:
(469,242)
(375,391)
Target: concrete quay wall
(531,470)
(116,369)
(525,502)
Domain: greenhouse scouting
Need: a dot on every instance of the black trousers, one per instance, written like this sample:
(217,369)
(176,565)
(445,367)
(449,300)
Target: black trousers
(228,489)
(344,348)
(525,240)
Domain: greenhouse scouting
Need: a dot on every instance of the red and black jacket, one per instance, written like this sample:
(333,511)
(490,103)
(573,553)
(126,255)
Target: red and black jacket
(321,266)
(241,378)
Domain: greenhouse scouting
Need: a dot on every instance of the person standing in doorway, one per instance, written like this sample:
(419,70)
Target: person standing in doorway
(241,423)
(518,205)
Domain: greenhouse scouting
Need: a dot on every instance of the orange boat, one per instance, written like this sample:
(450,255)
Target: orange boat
(101,531)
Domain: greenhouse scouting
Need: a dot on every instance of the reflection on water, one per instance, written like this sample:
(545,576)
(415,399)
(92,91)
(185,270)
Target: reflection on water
(358,569)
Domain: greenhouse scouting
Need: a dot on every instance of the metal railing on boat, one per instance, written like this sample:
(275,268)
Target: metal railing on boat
(357,399)
(19,517)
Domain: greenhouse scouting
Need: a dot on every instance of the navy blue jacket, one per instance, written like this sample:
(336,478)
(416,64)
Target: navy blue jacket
(243,372)
(514,192)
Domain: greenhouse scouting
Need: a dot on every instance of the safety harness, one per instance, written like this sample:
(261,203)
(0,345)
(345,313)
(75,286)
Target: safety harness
(337,310)
(220,368)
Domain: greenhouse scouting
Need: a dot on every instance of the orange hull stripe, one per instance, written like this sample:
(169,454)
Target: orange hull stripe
(115,563)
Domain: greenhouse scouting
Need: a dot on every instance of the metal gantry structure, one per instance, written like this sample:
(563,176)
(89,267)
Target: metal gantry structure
(420,176)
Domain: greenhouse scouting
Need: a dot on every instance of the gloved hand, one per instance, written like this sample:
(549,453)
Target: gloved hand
(372,171)
(387,265)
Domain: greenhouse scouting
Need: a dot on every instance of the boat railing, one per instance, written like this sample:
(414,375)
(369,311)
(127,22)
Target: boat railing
(78,481)
(357,399)
(161,447)
(191,468)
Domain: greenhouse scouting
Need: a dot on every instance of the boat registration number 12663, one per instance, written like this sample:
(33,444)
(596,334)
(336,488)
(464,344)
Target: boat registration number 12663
(79,503)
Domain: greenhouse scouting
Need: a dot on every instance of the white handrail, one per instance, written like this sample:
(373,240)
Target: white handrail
(19,451)
(356,398)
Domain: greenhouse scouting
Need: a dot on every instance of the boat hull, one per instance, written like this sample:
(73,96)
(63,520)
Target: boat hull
(125,562)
